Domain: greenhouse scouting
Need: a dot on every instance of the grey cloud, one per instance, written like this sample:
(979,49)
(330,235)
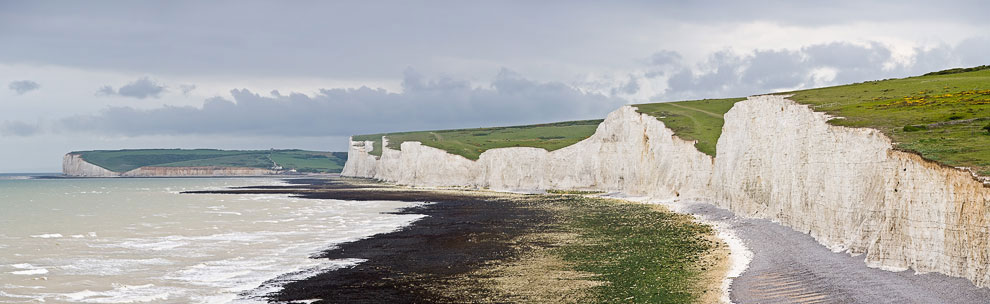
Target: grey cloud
(106,91)
(630,87)
(186,88)
(246,38)
(854,63)
(662,63)
(141,88)
(665,57)
(974,51)
(23,86)
(17,128)
(725,74)
(425,103)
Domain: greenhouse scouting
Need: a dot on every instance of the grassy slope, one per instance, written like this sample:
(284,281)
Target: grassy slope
(644,253)
(470,143)
(303,161)
(901,109)
(699,120)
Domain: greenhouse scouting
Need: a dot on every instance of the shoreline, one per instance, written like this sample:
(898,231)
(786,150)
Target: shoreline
(504,247)
(769,262)
(282,176)
(740,255)
(460,233)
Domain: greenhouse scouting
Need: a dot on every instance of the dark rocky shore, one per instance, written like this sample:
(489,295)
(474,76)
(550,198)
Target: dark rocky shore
(461,233)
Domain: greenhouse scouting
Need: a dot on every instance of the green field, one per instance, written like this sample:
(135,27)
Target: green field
(941,115)
(699,120)
(299,160)
(644,253)
(470,143)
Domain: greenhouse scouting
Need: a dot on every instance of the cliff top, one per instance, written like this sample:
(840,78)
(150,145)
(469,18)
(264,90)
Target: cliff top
(470,143)
(300,160)
(699,120)
(943,116)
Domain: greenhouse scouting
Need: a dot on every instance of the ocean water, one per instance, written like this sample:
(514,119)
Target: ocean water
(140,241)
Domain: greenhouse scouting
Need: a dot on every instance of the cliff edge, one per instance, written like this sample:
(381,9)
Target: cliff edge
(75,166)
(776,159)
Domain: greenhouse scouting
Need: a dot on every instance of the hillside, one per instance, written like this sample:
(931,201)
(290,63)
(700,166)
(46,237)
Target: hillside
(699,120)
(943,116)
(302,161)
(470,143)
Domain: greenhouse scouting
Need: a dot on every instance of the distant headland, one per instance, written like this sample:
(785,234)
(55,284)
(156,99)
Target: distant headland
(199,162)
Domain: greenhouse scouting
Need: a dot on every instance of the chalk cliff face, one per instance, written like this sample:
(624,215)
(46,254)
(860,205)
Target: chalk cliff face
(630,152)
(74,165)
(850,190)
(776,159)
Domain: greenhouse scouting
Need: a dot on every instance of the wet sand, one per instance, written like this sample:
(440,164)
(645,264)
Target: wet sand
(462,232)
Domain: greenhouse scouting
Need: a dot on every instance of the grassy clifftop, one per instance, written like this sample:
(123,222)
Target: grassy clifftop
(699,120)
(941,115)
(470,143)
(299,160)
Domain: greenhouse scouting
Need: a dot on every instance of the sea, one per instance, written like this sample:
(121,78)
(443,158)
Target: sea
(138,240)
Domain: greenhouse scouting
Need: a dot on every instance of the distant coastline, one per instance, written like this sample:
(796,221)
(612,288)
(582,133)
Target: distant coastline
(8,176)
(200,163)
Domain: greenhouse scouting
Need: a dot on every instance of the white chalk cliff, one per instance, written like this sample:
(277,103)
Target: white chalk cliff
(74,165)
(776,159)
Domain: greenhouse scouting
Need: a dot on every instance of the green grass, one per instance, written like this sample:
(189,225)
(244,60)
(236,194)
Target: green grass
(911,111)
(908,110)
(311,161)
(646,255)
(300,160)
(699,120)
(470,143)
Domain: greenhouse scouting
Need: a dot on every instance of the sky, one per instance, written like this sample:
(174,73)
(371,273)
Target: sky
(89,75)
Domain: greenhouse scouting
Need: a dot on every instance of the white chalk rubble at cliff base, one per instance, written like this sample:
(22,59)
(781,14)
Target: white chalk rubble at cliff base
(776,159)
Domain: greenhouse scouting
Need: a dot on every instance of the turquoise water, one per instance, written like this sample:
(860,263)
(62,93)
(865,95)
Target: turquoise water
(139,240)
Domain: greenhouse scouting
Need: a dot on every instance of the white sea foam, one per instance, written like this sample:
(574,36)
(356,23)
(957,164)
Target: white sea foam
(143,244)
(275,284)
(47,236)
(106,266)
(36,298)
(35,271)
(225,212)
(121,294)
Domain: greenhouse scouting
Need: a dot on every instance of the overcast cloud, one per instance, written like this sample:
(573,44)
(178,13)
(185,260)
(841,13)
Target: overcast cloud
(23,86)
(725,74)
(121,73)
(424,103)
(141,88)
